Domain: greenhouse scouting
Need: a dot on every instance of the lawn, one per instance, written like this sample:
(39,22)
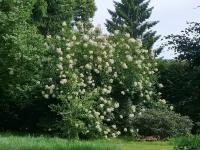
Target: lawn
(10,142)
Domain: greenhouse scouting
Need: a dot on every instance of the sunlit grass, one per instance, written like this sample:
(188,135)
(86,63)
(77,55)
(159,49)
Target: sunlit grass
(10,142)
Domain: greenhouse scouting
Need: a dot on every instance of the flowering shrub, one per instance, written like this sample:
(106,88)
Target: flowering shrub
(101,81)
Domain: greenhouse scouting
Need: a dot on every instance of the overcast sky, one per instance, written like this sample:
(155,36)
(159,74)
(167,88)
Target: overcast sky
(172,14)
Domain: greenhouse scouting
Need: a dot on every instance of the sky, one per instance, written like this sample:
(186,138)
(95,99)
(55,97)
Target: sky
(172,14)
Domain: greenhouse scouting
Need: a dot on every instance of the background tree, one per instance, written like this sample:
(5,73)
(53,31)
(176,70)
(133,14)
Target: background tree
(22,54)
(132,17)
(181,78)
(84,10)
(48,15)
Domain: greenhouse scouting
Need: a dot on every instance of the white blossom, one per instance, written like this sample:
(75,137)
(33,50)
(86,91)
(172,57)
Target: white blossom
(124,66)
(63,81)
(131,115)
(129,57)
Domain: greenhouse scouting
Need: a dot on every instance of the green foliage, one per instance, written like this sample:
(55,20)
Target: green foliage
(162,123)
(21,58)
(131,16)
(186,45)
(181,78)
(187,143)
(84,10)
(48,15)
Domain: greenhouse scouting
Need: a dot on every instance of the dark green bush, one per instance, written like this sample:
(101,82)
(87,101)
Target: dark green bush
(187,143)
(181,88)
(162,123)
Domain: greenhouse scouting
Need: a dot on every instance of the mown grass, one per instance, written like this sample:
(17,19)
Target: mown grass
(10,142)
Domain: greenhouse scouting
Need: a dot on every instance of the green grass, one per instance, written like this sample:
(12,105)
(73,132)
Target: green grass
(10,142)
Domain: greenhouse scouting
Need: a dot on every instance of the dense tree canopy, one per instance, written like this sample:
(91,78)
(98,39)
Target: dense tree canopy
(48,15)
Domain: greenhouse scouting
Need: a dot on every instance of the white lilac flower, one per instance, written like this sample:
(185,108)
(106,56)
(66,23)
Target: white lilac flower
(98,123)
(105,101)
(148,97)
(11,71)
(171,108)
(131,130)
(113,135)
(111,61)
(60,58)
(127,35)
(101,105)
(122,92)
(125,130)
(74,38)
(111,80)
(108,129)
(133,107)
(160,85)
(96,113)
(88,66)
(99,59)
(99,129)
(108,120)
(141,95)
(115,75)
(108,110)
(109,69)
(68,56)
(85,37)
(63,81)
(124,26)
(124,66)
(102,117)
(132,40)
(118,132)
(48,36)
(116,105)
(64,24)
(120,116)
(163,101)
(135,84)
(105,132)
(97,71)
(139,42)
(116,32)
(129,57)
(101,98)
(114,126)
(85,45)
(60,66)
(131,115)
(59,51)
(46,96)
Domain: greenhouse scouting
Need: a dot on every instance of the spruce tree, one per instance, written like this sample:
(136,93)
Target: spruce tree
(132,16)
